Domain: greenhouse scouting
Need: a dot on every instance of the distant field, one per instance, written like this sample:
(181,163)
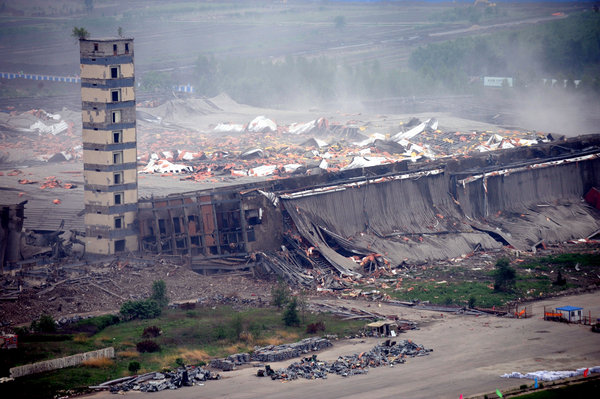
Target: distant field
(175,33)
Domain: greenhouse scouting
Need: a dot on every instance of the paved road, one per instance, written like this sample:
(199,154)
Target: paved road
(470,353)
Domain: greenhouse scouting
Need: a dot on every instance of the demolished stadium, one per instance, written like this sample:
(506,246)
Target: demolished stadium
(389,214)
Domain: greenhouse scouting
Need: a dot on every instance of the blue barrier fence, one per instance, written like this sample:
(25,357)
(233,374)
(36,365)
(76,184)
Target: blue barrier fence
(184,88)
(72,79)
(31,76)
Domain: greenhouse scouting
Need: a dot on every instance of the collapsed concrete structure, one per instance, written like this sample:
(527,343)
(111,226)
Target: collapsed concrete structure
(403,212)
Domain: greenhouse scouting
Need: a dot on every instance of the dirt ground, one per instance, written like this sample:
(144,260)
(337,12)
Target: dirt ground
(470,353)
(101,287)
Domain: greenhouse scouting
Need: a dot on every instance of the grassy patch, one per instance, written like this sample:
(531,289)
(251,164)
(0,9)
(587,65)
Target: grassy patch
(451,293)
(195,337)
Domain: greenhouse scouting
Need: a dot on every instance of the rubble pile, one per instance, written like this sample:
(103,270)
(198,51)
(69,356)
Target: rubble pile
(385,354)
(40,135)
(277,353)
(155,382)
(263,147)
(272,353)
(62,288)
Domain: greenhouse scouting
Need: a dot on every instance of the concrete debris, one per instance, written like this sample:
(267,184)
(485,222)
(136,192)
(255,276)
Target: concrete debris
(28,290)
(272,353)
(277,353)
(222,364)
(388,353)
(39,135)
(155,382)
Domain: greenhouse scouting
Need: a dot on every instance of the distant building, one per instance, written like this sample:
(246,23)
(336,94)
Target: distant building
(570,313)
(109,145)
(491,81)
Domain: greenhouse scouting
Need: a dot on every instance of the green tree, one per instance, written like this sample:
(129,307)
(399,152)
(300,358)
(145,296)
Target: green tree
(290,316)
(504,276)
(159,293)
(280,294)
(80,33)
(120,31)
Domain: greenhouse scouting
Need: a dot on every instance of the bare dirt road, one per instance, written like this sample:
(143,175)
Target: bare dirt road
(470,354)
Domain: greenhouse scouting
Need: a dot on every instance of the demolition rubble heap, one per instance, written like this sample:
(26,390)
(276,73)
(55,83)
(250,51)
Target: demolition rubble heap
(155,382)
(385,354)
(273,353)
(81,287)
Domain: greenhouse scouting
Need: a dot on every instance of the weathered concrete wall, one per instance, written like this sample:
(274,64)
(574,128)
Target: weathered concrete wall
(61,363)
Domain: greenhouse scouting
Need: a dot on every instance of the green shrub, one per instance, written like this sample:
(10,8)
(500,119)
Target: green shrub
(133,367)
(280,294)
(159,293)
(504,276)
(146,309)
(314,328)
(151,332)
(147,346)
(45,324)
(290,316)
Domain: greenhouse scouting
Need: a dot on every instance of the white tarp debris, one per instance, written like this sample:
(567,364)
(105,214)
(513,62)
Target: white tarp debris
(301,128)
(56,117)
(545,375)
(271,196)
(320,143)
(323,164)
(497,141)
(185,155)
(433,124)
(167,155)
(228,127)
(53,129)
(164,166)
(364,162)
(410,133)
(262,124)
(289,168)
(261,171)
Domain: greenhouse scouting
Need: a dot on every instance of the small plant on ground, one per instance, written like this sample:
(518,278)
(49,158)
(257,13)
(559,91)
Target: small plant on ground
(280,294)
(472,302)
(314,328)
(290,316)
(159,293)
(45,324)
(504,276)
(133,367)
(147,346)
(151,332)
(560,280)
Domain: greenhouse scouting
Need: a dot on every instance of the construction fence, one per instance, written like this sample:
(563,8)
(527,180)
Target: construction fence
(54,364)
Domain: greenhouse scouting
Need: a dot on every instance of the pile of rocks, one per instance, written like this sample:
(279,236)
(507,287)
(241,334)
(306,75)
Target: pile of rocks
(154,382)
(386,354)
(272,353)
(276,353)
